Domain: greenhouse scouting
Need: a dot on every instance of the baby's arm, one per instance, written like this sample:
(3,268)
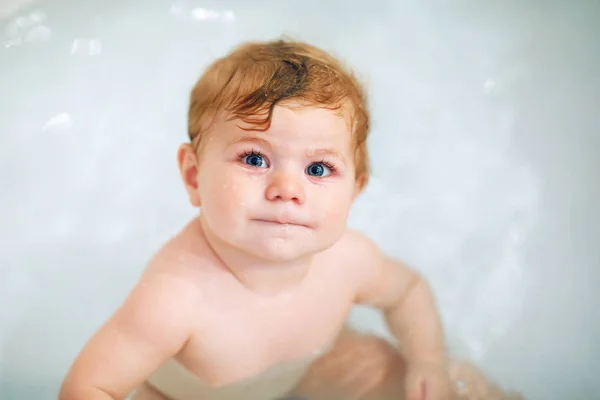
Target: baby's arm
(405,299)
(152,325)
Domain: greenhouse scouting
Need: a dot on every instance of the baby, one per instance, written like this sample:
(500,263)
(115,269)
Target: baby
(250,299)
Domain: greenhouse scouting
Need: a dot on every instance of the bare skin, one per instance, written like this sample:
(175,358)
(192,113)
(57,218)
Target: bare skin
(358,366)
(267,274)
(366,367)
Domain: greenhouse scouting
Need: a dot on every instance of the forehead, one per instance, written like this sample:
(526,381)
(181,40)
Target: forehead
(296,125)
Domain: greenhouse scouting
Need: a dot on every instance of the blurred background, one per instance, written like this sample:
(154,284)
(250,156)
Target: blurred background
(485,149)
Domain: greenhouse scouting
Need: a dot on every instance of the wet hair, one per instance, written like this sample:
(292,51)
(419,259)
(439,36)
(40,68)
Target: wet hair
(251,80)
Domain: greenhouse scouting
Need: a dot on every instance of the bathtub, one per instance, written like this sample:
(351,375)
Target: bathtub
(485,143)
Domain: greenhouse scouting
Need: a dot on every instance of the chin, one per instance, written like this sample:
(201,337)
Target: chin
(283,250)
(278,250)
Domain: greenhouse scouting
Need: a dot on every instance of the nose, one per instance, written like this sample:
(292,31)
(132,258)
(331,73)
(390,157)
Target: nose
(285,187)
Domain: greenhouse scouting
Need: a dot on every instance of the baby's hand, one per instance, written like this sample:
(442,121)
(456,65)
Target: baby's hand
(428,382)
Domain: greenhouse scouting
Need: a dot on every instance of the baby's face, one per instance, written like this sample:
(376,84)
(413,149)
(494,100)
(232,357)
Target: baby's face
(279,194)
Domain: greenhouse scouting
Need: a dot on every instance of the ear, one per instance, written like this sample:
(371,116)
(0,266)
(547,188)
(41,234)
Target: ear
(359,184)
(188,168)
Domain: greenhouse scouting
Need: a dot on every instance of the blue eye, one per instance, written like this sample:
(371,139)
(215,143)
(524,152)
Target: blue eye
(255,160)
(318,169)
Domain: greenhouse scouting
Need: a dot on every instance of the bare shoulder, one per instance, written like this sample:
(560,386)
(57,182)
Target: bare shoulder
(165,295)
(357,249)
(154,323)
(355,257)
(376,276)
(184,258)
(169,285)
(158,309)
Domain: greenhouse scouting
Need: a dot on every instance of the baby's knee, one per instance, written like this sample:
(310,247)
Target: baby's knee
(358,366)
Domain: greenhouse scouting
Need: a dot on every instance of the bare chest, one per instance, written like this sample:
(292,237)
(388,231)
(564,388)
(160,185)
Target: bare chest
(244,339)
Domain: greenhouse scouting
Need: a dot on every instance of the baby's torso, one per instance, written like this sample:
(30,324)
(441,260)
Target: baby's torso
(247,346)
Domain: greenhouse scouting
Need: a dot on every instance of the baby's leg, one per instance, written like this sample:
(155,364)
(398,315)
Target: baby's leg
(147,392)
(358,367)
(367,367)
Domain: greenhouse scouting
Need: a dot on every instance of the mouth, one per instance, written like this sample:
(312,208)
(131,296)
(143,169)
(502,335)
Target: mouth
(278,222)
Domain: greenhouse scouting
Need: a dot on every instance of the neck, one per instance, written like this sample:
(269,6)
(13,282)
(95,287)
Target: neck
(259,275)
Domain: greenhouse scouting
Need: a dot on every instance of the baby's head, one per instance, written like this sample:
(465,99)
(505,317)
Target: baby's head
(278,149)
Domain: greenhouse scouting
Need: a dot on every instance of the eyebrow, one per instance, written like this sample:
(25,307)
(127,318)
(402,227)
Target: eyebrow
(326,152)
(252,139)
(309,152)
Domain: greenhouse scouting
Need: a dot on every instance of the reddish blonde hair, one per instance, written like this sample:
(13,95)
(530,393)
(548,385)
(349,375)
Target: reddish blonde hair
(251,80)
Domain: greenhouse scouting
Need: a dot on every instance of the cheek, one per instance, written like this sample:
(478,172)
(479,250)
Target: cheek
(335,205)
(226,193)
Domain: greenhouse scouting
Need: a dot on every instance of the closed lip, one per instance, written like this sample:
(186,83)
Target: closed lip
(280,221)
